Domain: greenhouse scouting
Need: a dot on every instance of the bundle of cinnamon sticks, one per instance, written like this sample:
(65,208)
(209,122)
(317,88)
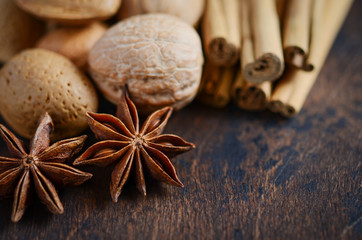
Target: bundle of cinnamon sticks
(266,54)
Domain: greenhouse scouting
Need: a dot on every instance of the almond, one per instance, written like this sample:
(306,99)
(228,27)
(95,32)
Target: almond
(37,81)
(73,42)
(18,30)
(71,11)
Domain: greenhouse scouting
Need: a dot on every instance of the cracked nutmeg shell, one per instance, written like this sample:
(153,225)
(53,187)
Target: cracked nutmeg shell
(158,56)
(71,11)
(37,80)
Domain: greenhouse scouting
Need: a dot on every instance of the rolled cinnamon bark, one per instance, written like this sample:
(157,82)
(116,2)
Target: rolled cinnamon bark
(296,33)
(248,95)
(269,60)
(291,92)
(280,9)
(221,32)
(215,85)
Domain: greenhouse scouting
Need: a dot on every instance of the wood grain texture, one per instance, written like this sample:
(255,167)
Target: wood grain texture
(252,175)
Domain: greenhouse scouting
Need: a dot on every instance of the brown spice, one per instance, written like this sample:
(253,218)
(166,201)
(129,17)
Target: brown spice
(292,90)
(296,33)
(215,85)
(247,95)
(221,32)
(268,53)
(40,167)
(133,149)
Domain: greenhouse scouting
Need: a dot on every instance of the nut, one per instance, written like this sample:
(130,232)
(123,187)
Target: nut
(71,11)
(73,43)
(18,30)
(37,81)
(188,10)
(158,56)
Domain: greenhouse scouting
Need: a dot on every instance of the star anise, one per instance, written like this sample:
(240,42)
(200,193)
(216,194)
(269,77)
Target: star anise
(38,168)
(134,150)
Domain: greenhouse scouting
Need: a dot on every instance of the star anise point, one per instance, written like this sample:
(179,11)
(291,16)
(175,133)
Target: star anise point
(133,148)
(38,166)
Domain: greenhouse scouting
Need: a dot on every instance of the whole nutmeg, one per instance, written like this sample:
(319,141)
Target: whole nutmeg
(37,81)
(73,42)
(18,30)
(188,10)
(158,56)
(71,11)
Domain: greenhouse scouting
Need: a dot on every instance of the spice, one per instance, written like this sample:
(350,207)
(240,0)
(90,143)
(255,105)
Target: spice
(158,56)
(292,90)
(281,5)
(269,60)
(250,96)
(40,167)
(133,149)
(247,95)
(221,32)
(296,33)
(188,10)
(215,85)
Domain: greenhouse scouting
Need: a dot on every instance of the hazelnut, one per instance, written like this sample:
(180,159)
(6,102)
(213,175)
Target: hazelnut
(158,56)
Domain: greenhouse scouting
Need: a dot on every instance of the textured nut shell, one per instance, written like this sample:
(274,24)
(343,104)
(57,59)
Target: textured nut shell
(18,30)
(73,43)
(36,81)
(71,11)
(188,10)
(158,56)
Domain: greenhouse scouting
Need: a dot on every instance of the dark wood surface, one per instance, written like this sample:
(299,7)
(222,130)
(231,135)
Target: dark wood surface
(252,175)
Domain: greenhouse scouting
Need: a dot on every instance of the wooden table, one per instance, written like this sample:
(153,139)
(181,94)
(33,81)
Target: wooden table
(252,175)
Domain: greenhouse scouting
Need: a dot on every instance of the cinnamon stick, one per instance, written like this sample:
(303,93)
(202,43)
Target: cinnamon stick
(215,85)
(296,33)
(221,32)
(291,92)
(248,95)
(280,9)
(269,63)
